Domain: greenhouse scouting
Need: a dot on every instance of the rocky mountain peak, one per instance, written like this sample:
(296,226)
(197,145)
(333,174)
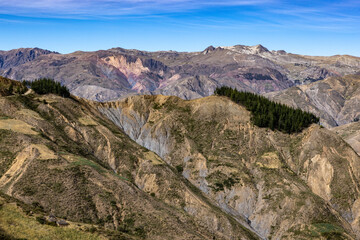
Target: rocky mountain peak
(209,49)
(259,48)
(16,57)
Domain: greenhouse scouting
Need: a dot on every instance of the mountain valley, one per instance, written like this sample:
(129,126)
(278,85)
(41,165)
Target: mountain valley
(168,159)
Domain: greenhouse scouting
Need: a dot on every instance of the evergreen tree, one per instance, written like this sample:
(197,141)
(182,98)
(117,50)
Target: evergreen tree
(11,88)
(266,113)
(47,85)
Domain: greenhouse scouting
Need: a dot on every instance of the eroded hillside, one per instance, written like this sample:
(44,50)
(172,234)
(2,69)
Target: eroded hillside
(336,100)
(297,186)
(62,156)
(351,134)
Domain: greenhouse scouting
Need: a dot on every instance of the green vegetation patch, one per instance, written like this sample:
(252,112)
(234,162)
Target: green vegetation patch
(269,114)
(17,225)
(326,230)
(88,121)
(220,181)
(47,85)
(81,161)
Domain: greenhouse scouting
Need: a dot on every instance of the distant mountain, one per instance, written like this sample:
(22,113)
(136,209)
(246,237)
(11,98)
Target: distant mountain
(336,100)
(351,134)
(16,57)
(117,73)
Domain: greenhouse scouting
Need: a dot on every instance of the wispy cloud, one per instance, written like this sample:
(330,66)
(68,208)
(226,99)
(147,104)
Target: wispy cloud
(319,15)
(98,8)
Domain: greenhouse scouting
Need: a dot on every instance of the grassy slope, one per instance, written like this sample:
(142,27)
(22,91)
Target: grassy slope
(16,224)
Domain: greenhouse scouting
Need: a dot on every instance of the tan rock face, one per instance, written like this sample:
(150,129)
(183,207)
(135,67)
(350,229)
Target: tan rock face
(281,185)
(127,68)
(320,176)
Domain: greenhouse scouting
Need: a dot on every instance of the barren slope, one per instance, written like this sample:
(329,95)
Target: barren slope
(62,156)
(297,186)
(336,100)
(351,134)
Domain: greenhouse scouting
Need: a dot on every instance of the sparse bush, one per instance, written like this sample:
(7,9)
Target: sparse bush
(179,168)
(41,219)
(157,106)
(92,229)
(37,207)
(28,191)
(140,231)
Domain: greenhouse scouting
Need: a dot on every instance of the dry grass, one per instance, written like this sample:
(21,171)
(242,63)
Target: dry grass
(87,121)
(156,160)
(30,113)
(269,160)
(16,126)
(45,152)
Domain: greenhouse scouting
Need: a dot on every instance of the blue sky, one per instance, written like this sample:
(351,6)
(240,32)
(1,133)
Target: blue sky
(323,27)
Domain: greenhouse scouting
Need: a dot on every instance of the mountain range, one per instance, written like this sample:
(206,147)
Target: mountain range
(116,73)
(143,149)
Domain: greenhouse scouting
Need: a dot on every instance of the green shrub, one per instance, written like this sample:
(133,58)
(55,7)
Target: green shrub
(179,168)
(41,220)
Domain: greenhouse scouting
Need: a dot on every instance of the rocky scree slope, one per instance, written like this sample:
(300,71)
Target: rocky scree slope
(298,186)
(62,156)
(336,100)
(116,73)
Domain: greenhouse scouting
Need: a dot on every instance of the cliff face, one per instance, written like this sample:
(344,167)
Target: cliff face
(117,73)
(285,186)
(336,100)
(62,156)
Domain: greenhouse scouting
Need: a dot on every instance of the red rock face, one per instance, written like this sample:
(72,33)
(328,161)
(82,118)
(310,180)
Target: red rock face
(115,73)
